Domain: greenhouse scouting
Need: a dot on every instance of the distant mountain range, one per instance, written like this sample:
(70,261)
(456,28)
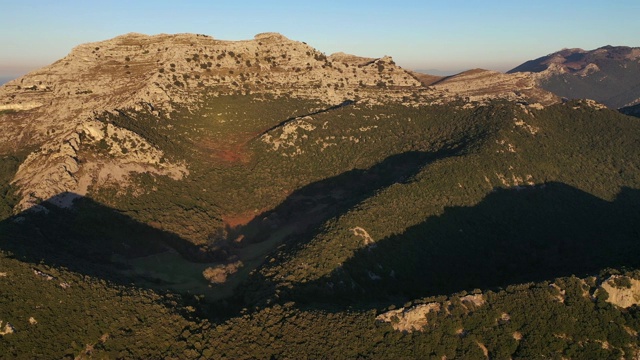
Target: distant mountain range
(610,74)
(438,72)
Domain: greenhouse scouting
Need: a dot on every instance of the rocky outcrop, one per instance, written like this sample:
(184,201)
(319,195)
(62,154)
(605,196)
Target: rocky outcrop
(20,107)
(411,319)
(414,318)
(55,169)
(367,240)
(481,85)
(290,135)
(136,69)
(622,291)
(220,273)
(7,329)
(473,301)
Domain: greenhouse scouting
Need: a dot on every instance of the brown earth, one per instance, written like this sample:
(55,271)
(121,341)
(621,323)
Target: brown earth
(226,152)
(241,219)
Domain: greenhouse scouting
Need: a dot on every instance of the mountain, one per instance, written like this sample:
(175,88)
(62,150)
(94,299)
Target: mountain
(437,72)
(478,84)
(610,74)
(179,196)
(161,73)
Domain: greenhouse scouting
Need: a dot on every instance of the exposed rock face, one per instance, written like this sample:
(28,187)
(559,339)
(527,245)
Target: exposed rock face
(54,168)
(7,329)
(623,291)
(53,111)
(415,318)
(473,301)
(220,273)
(411,319)
(367,240)
(479,85)
(134,69)
(610,74)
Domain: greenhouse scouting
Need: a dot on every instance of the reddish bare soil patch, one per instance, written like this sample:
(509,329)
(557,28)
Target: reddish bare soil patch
(226,152)
(231,155)
(231,150)
(241,219)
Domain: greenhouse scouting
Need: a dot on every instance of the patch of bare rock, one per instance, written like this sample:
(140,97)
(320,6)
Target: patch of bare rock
(410,319)
(481,85)
(414,318)
(220,273)
(622,291)
(7,329)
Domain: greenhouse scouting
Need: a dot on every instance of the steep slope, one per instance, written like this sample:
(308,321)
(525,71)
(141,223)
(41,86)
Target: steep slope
(610,74)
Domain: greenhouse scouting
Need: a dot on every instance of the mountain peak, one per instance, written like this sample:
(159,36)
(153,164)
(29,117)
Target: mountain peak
(576,59)
(608,74)
(270,35)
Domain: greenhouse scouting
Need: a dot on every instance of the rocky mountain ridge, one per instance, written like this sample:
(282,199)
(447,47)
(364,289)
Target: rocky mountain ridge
(53,110)
(481,85)
(577,60)
(57,105)
(609,74)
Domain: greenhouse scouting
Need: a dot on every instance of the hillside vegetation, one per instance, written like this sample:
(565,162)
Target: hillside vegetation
(258,224)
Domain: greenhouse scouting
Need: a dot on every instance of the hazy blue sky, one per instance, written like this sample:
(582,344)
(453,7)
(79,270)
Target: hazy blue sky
(446,35)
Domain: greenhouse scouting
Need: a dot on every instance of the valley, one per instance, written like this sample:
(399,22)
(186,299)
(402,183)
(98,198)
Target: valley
(179,196)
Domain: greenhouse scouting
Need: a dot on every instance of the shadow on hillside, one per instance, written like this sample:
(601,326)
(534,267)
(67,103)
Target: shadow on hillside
(513,236)
(301,216)
(310,206)
(286,121)
(633,110)
(91,239)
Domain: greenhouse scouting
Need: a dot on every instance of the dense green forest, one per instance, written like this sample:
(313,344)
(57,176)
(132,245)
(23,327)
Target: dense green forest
(327,217)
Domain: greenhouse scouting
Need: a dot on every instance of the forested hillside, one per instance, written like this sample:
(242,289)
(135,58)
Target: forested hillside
(395,221)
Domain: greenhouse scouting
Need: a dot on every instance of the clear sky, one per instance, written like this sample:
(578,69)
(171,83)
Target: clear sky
(448,35)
